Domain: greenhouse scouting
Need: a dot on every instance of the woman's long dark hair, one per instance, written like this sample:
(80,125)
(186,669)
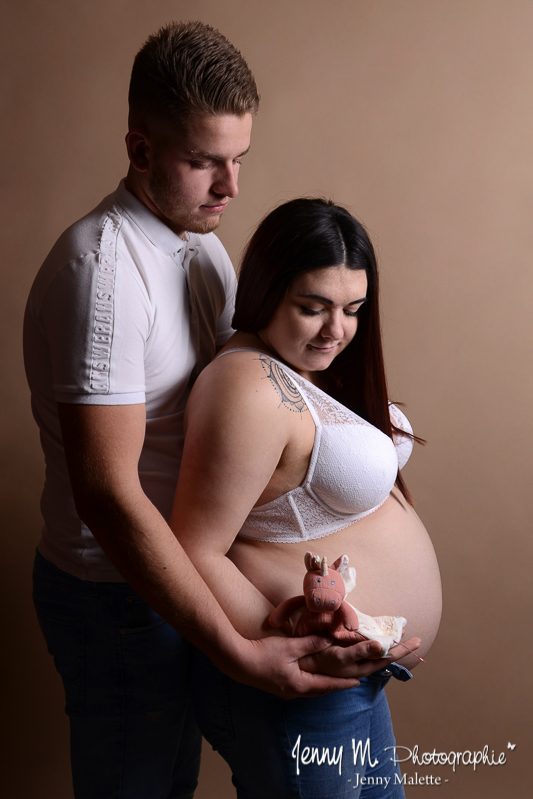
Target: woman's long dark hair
(300,236)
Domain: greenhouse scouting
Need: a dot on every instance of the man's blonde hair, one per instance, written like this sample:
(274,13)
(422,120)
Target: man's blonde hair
(186,69)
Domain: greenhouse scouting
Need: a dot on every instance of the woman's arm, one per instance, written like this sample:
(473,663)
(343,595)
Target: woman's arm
(237,432)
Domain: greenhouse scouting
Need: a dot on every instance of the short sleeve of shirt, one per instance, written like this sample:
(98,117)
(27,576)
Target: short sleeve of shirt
(96,317)
(227,276)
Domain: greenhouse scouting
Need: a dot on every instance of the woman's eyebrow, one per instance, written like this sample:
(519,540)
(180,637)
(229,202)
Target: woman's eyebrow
(328,301)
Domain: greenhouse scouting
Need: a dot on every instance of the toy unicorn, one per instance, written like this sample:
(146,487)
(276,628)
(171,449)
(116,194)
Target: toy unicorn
(323,608)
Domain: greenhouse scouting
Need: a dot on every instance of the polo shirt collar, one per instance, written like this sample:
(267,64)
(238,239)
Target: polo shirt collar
(153,228)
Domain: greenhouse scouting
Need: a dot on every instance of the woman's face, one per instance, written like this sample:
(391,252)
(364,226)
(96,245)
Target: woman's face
(317,318)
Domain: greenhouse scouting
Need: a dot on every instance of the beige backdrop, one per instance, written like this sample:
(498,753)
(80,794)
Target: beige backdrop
(417,114)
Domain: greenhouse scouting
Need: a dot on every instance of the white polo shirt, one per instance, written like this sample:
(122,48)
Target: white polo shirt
(122,311)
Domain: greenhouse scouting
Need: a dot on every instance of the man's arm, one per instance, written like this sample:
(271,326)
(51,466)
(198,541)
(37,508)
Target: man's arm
(102,446)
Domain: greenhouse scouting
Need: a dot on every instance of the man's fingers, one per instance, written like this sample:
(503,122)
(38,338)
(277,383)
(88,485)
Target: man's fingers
(358,660)
(320,684)
(371,650)
(331,659)
(402,649)
(313,665)
(286,679)
(310,644)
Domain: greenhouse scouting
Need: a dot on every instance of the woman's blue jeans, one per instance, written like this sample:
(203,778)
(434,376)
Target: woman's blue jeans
(329,747)
(126,677)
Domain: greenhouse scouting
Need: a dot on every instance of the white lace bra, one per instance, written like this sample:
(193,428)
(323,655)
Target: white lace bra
(351,473)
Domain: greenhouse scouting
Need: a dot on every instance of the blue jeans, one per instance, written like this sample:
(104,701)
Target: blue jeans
(126,677)
(274,746)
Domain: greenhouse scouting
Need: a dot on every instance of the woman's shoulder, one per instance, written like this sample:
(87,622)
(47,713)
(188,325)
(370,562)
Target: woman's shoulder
(234,357)
(244,380)
(238,367)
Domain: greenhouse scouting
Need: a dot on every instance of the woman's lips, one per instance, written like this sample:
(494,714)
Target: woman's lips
(322,349)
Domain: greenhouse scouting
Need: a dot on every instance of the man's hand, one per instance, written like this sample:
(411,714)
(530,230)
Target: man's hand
(273,664)
(309,666)
(356,661)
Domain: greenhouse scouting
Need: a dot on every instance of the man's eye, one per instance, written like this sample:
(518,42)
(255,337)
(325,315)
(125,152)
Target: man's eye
(309,311)
(200,165)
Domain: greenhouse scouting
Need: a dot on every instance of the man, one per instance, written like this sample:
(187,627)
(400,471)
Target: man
(131,303)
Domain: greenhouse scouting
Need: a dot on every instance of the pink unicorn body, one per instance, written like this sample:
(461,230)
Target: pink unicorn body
(322,607)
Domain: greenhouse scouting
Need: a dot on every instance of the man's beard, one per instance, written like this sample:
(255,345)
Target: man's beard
(173,206)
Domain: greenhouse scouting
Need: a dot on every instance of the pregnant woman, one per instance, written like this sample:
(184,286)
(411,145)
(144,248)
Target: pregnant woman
(292,446)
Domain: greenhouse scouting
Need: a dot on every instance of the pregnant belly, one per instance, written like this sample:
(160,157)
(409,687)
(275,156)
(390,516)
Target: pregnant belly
(397,571)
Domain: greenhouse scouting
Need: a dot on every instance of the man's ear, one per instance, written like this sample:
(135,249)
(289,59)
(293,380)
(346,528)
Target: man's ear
(138,146)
